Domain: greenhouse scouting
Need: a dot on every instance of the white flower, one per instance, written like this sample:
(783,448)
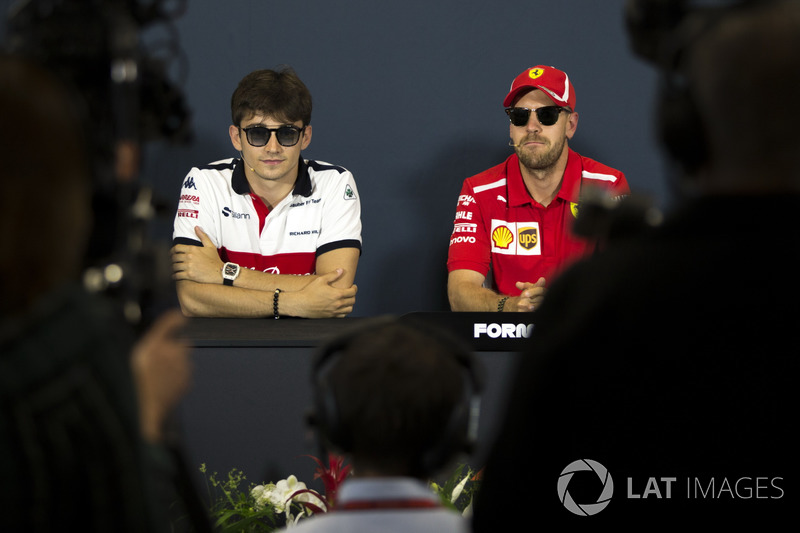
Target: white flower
(279,496)
(459,488)
(468,510)
(262,496)
(284,490)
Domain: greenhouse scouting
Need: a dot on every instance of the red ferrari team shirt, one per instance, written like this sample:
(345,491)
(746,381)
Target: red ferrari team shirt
(499,228)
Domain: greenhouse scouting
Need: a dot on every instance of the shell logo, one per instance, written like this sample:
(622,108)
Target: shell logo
(502,237)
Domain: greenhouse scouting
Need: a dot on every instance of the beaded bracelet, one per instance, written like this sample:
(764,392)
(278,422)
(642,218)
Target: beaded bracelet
(501,304)
(275,304)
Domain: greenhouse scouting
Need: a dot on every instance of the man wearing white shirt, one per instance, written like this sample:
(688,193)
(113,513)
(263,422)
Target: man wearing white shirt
(268,234)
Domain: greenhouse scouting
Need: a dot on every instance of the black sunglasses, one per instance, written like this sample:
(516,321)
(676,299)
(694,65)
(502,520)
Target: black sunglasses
(259,135)
(547,115)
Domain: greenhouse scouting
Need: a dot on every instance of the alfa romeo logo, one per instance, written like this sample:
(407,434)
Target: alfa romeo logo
(586,509)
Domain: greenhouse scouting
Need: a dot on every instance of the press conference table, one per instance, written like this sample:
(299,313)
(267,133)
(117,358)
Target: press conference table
(251,387)
(293,332)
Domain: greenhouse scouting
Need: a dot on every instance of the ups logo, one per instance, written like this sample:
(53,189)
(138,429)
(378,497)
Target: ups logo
(528,237)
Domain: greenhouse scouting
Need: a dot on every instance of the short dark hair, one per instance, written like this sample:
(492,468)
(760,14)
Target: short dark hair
(276,93)
(402,397)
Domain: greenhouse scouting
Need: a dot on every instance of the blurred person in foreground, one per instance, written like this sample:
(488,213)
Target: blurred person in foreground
(400,401)
(83,402)
(660,387)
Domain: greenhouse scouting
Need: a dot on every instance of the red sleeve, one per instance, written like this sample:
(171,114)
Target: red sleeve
(469,243)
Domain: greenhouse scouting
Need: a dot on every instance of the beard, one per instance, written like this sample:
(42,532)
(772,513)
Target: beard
(540,159)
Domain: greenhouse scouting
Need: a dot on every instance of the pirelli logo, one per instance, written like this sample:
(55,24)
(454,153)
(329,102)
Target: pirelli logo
(516,238)
(465,228)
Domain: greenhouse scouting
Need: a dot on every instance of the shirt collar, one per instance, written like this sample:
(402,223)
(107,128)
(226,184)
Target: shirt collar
(302,185)
(570,184)
(384,488)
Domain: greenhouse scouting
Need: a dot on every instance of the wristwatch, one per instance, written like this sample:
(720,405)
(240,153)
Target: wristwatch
(230,271)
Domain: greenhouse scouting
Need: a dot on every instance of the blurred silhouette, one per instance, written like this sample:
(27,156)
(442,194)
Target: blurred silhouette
(401,401)
(669,359)
(83,402)
(119,57)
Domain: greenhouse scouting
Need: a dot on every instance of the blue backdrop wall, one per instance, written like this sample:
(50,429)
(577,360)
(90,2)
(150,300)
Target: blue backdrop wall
(408,96)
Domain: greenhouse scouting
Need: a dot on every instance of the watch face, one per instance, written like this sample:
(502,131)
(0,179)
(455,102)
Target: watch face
(230,269)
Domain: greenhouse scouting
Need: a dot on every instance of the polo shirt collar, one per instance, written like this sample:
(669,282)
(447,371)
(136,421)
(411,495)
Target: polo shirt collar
(570,185)
(382,488)
(302,185)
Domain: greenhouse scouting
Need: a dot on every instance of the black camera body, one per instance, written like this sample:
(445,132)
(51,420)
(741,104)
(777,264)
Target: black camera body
(127,97)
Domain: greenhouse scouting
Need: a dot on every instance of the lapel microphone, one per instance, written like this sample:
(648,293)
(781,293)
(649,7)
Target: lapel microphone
(246,163)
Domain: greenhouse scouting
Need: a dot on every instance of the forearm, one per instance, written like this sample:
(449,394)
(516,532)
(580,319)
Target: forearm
(210,300)
(481,299)
(301,304)
(266,282)
(465,296)
(345,259)
(466,291)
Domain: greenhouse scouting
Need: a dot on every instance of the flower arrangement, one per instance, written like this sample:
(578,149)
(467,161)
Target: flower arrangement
(267,507)
(270,506)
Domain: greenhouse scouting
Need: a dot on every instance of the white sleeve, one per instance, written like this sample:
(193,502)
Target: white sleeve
(197,206)
(341,217)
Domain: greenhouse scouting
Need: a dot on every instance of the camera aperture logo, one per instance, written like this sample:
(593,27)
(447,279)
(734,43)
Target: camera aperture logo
(585,509)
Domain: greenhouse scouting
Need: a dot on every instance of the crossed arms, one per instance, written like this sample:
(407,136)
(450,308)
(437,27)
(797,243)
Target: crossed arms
(197,271)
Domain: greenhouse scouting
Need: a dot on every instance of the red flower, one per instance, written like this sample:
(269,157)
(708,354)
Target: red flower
(332,477)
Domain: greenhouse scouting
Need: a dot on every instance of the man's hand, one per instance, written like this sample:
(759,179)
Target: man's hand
(161,371)
(198,273)
(197,263)
(531,296)
(320,299)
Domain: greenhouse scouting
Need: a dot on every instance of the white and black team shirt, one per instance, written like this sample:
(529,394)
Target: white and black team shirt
(322,213)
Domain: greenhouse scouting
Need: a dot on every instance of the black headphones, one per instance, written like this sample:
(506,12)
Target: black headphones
(663,32)
(459,434)
(680,127)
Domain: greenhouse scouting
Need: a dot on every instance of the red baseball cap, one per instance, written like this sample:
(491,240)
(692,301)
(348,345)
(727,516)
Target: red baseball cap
(551,81)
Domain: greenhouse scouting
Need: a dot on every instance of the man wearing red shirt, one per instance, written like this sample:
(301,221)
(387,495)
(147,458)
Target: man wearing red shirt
(513,222)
